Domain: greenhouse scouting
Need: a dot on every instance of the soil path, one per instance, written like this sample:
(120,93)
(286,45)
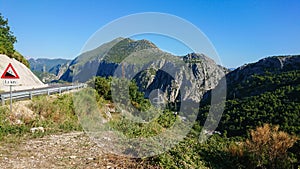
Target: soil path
(68,150)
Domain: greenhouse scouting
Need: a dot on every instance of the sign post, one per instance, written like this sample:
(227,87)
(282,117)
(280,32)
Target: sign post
(10,77)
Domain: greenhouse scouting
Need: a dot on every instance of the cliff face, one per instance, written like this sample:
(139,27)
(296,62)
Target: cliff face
(184,78)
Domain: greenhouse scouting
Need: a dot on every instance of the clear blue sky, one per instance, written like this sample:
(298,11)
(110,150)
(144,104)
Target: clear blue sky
(242,31)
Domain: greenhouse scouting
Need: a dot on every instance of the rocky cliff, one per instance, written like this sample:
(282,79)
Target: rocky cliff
(177,77)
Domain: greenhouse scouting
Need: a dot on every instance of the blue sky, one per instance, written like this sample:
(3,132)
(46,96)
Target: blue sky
(241,31)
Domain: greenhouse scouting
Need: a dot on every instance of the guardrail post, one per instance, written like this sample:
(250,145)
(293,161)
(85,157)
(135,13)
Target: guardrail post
(48,92)
(2,100)
(59,90)
(30,95)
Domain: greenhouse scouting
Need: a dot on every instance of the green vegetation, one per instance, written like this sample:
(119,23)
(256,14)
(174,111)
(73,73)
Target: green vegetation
(7,129)
(126,47)
(7,41)
(246,119)
(58,113)
(103,87)
(269,98)
(54,114)
(20,58)
(165,119)
(266,148)
(259,127)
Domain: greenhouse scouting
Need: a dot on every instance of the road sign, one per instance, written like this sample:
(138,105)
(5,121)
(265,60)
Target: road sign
(10,76)
(10,73)
(10,82)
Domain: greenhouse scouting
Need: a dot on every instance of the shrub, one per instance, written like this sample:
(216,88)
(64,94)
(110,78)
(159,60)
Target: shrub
(267,148)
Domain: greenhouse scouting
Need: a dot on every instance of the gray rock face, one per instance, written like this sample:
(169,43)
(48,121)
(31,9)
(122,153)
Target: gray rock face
(179,78)
(188,81)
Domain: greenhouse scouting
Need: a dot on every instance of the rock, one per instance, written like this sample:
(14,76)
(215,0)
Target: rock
(73,157)
(37,129)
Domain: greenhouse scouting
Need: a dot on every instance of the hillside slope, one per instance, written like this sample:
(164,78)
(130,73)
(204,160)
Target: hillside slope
(87,62)
(27,79)
(150,67)
(266,91)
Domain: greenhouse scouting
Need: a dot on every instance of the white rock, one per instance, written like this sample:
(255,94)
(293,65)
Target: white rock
(73,157)
(37,129)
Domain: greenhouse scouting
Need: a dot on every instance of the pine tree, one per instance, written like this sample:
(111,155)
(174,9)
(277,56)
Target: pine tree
(7,39)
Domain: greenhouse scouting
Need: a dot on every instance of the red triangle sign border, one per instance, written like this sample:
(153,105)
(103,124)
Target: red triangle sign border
(10,77)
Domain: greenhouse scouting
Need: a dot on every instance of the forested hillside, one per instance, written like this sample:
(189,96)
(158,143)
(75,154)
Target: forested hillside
(262,93)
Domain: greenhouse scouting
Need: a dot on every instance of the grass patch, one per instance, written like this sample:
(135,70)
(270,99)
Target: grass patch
(54,113)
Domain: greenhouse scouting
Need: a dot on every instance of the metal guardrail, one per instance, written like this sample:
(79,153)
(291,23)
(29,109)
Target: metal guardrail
(19,95)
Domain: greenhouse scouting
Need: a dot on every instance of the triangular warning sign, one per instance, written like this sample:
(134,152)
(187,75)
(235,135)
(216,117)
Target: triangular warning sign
(10,73)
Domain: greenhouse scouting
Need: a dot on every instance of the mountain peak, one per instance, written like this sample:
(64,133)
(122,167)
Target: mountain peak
(125,47)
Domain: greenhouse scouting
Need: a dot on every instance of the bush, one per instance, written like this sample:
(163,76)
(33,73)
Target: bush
(267,148)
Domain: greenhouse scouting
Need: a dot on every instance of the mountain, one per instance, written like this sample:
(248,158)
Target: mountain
(248,80)
(27,79)
(48,69)
(266,91)
(47,65)
(87,63)
(150,67)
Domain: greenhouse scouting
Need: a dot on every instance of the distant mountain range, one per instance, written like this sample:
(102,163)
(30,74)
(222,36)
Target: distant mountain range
(48,69)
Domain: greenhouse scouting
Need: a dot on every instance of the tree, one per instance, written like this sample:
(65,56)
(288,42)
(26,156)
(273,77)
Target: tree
(7,39)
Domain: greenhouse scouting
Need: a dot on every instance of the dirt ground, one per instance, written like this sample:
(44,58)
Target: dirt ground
(68,150)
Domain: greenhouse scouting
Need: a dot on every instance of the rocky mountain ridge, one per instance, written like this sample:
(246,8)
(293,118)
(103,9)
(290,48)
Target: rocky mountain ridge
(275,65)
(150,67)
